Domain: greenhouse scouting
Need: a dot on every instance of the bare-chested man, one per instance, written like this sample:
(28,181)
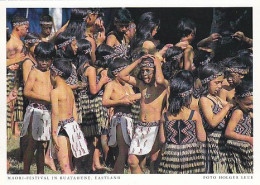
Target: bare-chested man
(153,89)
(120,95)
(36,131)
(67,136)
(15,45)
(15,55)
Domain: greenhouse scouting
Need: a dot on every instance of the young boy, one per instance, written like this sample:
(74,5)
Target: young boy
(36,129)
(120,95)
(46,24)
(67,136)
(153,88)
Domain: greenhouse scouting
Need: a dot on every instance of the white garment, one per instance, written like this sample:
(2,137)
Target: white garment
(126,126)
(143,140)
(78,143)
(41,123)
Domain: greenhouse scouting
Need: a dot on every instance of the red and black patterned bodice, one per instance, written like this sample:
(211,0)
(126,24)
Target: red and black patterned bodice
(244,126)
(180,132)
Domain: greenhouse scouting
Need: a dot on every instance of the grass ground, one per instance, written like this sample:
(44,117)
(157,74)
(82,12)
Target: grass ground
(16,165)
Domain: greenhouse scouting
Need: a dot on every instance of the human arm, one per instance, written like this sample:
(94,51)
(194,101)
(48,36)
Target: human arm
(212,38)
(241,37)
(164,49)
(54,118)
(200,131)
(74,111)
(28,89)
(159,78)
(213,119)
(27,66)
(234,120)
(111,40)
(12,96)
(93,87)
(188,58)
(161,130)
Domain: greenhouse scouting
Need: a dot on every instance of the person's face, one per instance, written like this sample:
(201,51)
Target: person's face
(147,74)
(74,46)
(122,27)
(191,36)
(46,29)
(44,64)
(246,104)
(131,31)
(23,29)
(215,85)
(234,79)
(155,30)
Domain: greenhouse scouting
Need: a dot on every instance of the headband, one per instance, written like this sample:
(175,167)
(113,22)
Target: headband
(236,70)
(119,69)
(45,22)
(57,71)
(245,95)
(186,93)
(31,41)
(20,23)
(106,57)
(67,42)
(147,64)
(212,77)
(177,57)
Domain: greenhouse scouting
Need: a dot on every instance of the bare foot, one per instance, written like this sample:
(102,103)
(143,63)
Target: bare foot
(95,168)
(50,163)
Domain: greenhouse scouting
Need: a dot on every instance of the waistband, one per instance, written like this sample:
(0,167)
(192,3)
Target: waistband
(148,124)
(40,106)
(119,114)
(65,122)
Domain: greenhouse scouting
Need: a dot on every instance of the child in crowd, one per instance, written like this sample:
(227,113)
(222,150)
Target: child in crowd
(186,31)
(120,95)
(235,72)
(117,38)
(37,120)
(67,137)
(46,24)
(239,131)
(94,115)
(31,40)
(153,88)
(214,111)
(182,130)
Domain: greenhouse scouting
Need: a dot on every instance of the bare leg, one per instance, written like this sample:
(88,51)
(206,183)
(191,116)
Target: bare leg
(29,147)
(64,155)
(134,162)
(16,129)
(104,146)
(48,160)
(154,156)
(40,156)
(123,151)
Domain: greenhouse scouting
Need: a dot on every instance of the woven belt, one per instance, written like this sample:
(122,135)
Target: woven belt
(148,124)
(65,122)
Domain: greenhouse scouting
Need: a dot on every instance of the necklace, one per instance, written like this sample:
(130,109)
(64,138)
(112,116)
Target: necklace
(147,95)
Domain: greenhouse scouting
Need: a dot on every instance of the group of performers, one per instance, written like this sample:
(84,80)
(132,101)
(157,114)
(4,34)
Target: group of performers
(119,101)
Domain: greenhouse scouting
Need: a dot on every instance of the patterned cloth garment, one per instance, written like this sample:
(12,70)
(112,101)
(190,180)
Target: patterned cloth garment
(180,131)
(126,123)
(78,143)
